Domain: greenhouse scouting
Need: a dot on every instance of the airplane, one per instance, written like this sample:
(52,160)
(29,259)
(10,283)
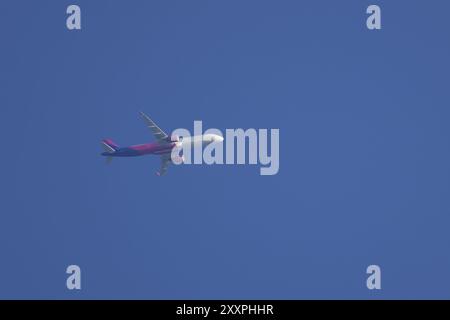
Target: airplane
(162,147)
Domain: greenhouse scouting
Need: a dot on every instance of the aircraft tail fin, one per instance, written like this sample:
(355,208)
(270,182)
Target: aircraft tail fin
(110,148)
(109,145)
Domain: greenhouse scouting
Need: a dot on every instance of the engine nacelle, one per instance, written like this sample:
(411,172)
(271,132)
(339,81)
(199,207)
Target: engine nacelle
(178,160)
(175,138)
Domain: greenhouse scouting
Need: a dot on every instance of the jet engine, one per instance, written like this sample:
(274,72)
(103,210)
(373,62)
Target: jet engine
(178,160)
(175,138)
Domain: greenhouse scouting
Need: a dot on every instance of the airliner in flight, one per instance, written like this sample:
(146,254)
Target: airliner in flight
(162,147)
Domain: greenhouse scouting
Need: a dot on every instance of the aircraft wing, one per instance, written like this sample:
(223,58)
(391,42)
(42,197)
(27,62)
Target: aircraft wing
(165,161)
(160,135)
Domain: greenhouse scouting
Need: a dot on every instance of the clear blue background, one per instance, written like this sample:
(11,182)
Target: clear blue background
(364,149)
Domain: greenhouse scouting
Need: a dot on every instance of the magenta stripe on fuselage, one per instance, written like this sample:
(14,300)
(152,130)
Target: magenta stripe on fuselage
(143,149)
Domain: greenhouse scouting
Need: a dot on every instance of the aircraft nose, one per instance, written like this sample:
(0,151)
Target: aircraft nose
(218,138)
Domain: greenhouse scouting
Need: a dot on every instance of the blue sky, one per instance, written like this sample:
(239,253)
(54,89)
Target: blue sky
(364,154)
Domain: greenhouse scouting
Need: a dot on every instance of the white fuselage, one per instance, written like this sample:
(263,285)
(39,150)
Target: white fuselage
(200,140)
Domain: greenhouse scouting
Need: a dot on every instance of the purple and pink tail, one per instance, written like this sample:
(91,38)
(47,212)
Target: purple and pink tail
(111,143)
